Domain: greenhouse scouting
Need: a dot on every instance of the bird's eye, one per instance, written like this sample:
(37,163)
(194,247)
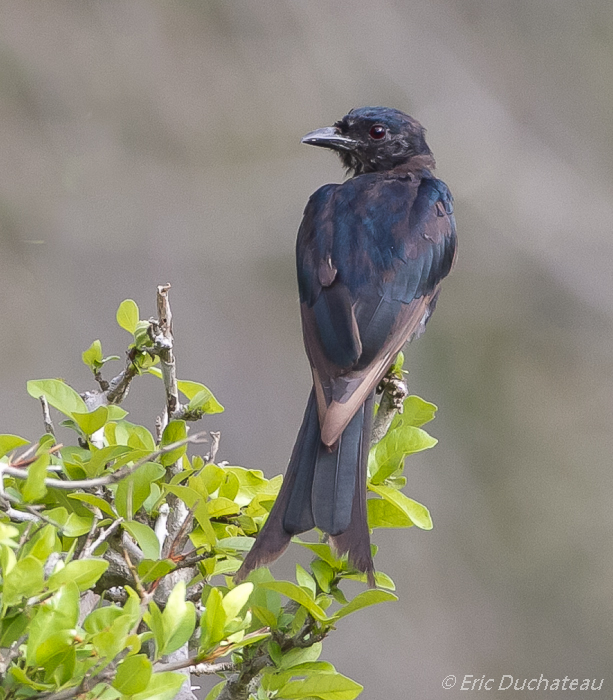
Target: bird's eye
(377,132)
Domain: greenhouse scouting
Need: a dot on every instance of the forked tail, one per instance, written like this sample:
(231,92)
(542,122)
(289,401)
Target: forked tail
(324,488)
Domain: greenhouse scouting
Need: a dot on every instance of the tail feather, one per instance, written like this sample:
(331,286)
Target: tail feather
(291,513)
(334,480)
(355,540)
(323,487)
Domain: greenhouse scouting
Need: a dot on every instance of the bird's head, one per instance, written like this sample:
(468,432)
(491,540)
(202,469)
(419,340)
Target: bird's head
(373,139)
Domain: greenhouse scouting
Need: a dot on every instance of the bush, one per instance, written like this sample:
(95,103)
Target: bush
(117,553)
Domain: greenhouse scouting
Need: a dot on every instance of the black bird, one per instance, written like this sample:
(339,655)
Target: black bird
(371,254)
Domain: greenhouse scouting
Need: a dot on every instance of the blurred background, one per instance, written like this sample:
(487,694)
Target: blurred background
(152,142)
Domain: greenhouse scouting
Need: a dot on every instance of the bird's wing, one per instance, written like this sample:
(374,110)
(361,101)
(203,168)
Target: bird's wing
(371,254)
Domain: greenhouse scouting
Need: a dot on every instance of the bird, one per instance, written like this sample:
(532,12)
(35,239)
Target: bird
(371,254)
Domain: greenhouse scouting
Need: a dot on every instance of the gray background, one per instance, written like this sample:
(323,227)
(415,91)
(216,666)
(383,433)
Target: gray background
(146,142)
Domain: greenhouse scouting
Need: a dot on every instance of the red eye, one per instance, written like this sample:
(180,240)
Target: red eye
(377,132)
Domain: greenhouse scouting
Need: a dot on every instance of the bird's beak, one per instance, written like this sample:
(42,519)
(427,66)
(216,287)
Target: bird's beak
(329,137)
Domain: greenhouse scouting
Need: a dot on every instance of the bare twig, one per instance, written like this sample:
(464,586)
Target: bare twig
(13,653)
(120,385)
(160,332)
(46,416)
(113,478)
(89,549)
(92,531)
(25,460)
(32,513)
(183,533)
(160,529)
(215,438)
(197,668)
(139,586)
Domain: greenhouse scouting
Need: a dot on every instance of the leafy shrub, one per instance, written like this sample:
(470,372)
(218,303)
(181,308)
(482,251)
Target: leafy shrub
(117,552)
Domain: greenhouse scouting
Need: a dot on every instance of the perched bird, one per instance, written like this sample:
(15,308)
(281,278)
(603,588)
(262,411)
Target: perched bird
(371,254)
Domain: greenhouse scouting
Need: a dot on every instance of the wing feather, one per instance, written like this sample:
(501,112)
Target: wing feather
(371,254)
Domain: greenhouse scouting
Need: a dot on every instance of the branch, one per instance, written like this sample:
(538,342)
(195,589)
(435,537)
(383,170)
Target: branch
(160,332)
(32,513)
(395,392)
(119,386)
(13,653)
(198,669)
(109,478)
(46,416)
(104,535)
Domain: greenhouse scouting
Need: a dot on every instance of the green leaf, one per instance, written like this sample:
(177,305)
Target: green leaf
(324,574)
(22,678)
(149,570)
(11,628)
(230,486)
(58,656)
(103,457)
(178,619)
(153,619)
(58,394)
(43,543)
(418,514)
(387,456)
(34,488)
(382,513)
(200,397)
(145,537)
(218,507)
(381,580)
(116,412)
(109,642)
(396,368)
(23,581)
(290,590)
(265,616)
(193,499)
(325,686)
(162,686)
(236,599)
(8,535)
(127,315)
(213,620)
(141,439)
(175,431)
(101,619)
(300,656)
(89,422)
(133,674)
(305,580)
(215,690)
(92,357)
(415,412)
(323,551)
(95,501)
(9,443)
(247,640)
(213,477)
(235,544)
(141,340)
(205,401)
(84,572)
(61,611)
(137,487)
(364,600)
(75,525)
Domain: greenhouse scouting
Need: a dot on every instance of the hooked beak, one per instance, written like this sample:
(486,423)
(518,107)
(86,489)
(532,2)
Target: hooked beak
(329,137)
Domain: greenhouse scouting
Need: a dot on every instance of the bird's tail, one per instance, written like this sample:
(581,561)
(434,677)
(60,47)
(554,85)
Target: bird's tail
(325,488)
